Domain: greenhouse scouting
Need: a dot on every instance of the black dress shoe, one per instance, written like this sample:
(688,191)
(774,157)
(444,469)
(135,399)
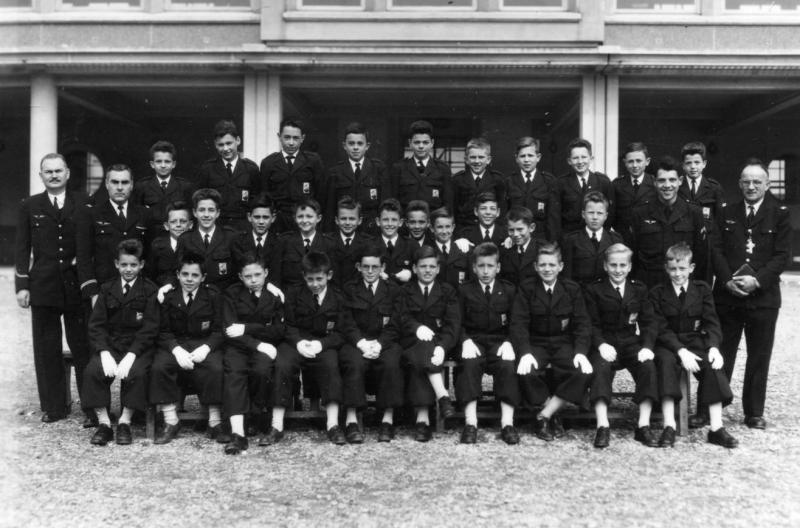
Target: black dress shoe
(667,437)
(422,432)
(52,417)
(236,445)
(696,421)
(469,435)
(272,437)
(541,428)
(646,436)
(602,437)
(102,435)
(89,420)
(336,436)
(124,436)
(169,434)
(218,433)
(556,426)
(755,422)
(353,434)
(509,435)
(446,408)
(723,438)
(385,432)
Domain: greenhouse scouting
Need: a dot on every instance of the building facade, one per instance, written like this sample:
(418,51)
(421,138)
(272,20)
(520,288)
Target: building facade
(100,81)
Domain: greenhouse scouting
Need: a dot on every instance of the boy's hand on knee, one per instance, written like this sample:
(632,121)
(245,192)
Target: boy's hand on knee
(438,356)
(162,291)
(424,333)
(463,244)
(266,348)
(715,358)
(183,358)
(108,364)
(469,350)
(645,354)
(125,364)
(526,363)
(689,360)
(608,352)
(506,352)
(235,330)
(582,362)
(274,290)
(199,354)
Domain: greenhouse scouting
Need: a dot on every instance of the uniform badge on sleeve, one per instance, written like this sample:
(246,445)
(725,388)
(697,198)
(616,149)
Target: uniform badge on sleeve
(205,325)
(223,268)
(139,316)
(435,193)
(306,188)
(706,212)
(438,323)
(385,320)
(540,207)
(461,276)
(697,324)
(373,194)
(245,195)
(564,324)
(503,319)
(330,326)
(632,318)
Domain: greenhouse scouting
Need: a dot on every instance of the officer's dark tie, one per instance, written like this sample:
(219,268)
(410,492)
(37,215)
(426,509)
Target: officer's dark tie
(595,240)
(425,292)
(694,187)
(290,162)
(488,292)
(420,167)
(682,296)
(487,237)
(164,185)
(316,300)
(55,202)
(751,214)
(188,299)
(121,212)
(347,242)
(126,288)
(357,172)
(229,168)
(478,181)
(259,247)
(206,240)
(307,242)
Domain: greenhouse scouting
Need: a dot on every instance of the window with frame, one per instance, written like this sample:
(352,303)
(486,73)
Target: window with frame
(536,5)
(102,4)
(199,5)
(322,4)
(661,6)
(432,4)
(777,178)
(16,4)
(756,6)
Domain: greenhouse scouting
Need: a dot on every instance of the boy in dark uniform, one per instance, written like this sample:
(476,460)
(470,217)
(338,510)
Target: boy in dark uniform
(158,191)
(260,240)
(253,321)
(477,179)
(235,178)
(429,319)
(535,189)
(189,337)
(635,189)
(163,257)
(689,337)
(550,325)
(485,349)
(518,260)
(624,331)
(453,261)
(348,241)
(292,176)
(371,349)
(296,244)
(573,186)
(487,229)
(122,331)
(397,251)
(417,225)
(422,176)
(584,250)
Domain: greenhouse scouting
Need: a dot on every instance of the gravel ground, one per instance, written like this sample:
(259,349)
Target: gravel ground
(53,477)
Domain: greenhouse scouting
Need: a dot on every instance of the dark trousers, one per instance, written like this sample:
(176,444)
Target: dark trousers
(469,377)
(323,368)
(570,383)
(167,378)
(384,374)
(48,357)
(713,384)
(643,373)
(417,364)
(133,390)
(248,381)
(758,326)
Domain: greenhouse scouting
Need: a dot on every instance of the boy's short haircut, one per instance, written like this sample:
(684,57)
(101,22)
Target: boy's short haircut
(347,202)
(668,163)
(418,205)
(680,251)
(52,155)
(595,197)
(206,194)
(424,252)
(356,128)
(618,248)
(315,262)
(130,246)
(294,123)
(371,251)
(309,203)
(528,141)
(192,258)
(225,127)
(420,127)
(636,146)
(484,197)
(392,205)
(178,205)
(442,212)
(485,249)
(480,143)
(519,212)
(693,147)
(579,143)
(550,248)
(118,167)
(249,258)
(262,201)
(163,146)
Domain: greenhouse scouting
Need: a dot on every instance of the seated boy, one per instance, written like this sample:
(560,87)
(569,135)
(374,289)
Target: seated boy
(624,331)
(689,336)
(486,310)
(487,211)
(397,251)
(163,257)
(371,348)
(348,241)
(454,261)
(584,250)
(429,319)
(294,245)
(253,321)
(314,313)
(518,260)
(476,179)
(189,336)
(259,240)
(549,325)
(122,329)
(418,223)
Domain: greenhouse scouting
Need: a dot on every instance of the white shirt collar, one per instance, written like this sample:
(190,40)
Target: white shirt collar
(640,179)
(61,197)
(310,237)
(678,288)
(423,286)
(756,206)
(173,243)
(345,237)
(210,233)
(115,206)
(424,162)
(159,179)
(599,233)
(286,155)
(322,295)
(482,228)
(353,164)
(374,285)
(186,295)
(392,240)
(550,287)
(522,173)
(689,179)
(263,238)
(476,176)
(124,282)
(233,163)
(483,286)
(620,286)
(445,244)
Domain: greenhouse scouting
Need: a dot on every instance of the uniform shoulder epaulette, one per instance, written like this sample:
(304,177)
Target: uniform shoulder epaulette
(212,288)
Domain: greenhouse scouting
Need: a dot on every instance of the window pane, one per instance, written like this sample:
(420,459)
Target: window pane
(15,3)
(102,4)
(331,3)
(432,3)
(687,6)
(777,178)
(208,4)
(548,4)
(754,6)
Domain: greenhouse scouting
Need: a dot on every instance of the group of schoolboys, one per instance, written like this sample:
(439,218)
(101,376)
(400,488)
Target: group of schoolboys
(419,267)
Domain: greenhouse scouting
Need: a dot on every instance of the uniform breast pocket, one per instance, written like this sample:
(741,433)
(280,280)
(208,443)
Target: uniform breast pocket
(221,262)
(303,187)
(538,208)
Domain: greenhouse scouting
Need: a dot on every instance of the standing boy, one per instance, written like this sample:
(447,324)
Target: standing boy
(397,251)
(519,259)
(422,177)
(158,191)
(260,240)
(348,241)
(418,224)
(487,211)
(635,189)
(584,250)
(573,186)
(476,179)
(162,260)
(294,245)
(535,189)
(452,259)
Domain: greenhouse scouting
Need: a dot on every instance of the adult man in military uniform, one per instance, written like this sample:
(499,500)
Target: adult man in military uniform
(48,284)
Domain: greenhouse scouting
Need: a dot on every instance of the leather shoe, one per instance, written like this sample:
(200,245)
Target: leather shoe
(236,445)
(385,432)
(353,434)
(469,435)
(645,436)
(723,438)
(602,437)
(509,435)
(755,422)
(124,436)
(556,426)
(52,417)
(90,420)
(336,436)
(696,421)
(446,408)
(218,433)
(167,435)
(667,438)
(102,435)
(541,428)
(272,437)
(422,432)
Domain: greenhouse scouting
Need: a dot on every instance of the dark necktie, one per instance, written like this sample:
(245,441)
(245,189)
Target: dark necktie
(595,240)
(206,240)
(254,297)
(619,292)
(357,172)
(290,162)
(583,184)
(635,185)
(528,179)
(307,242)
(372,289)
(425,292)
(55,202)
(188,299)
(316,299)
(420,167)
(478,181)
(164,185)
(444,250)
(694,187)
(487,237)
(682,296)
(520,250)
(549,295)
(389,248)
(488,292)
(229,168)
(126,288)
(259,247)
(121,212)
(347,242)
(751,214)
